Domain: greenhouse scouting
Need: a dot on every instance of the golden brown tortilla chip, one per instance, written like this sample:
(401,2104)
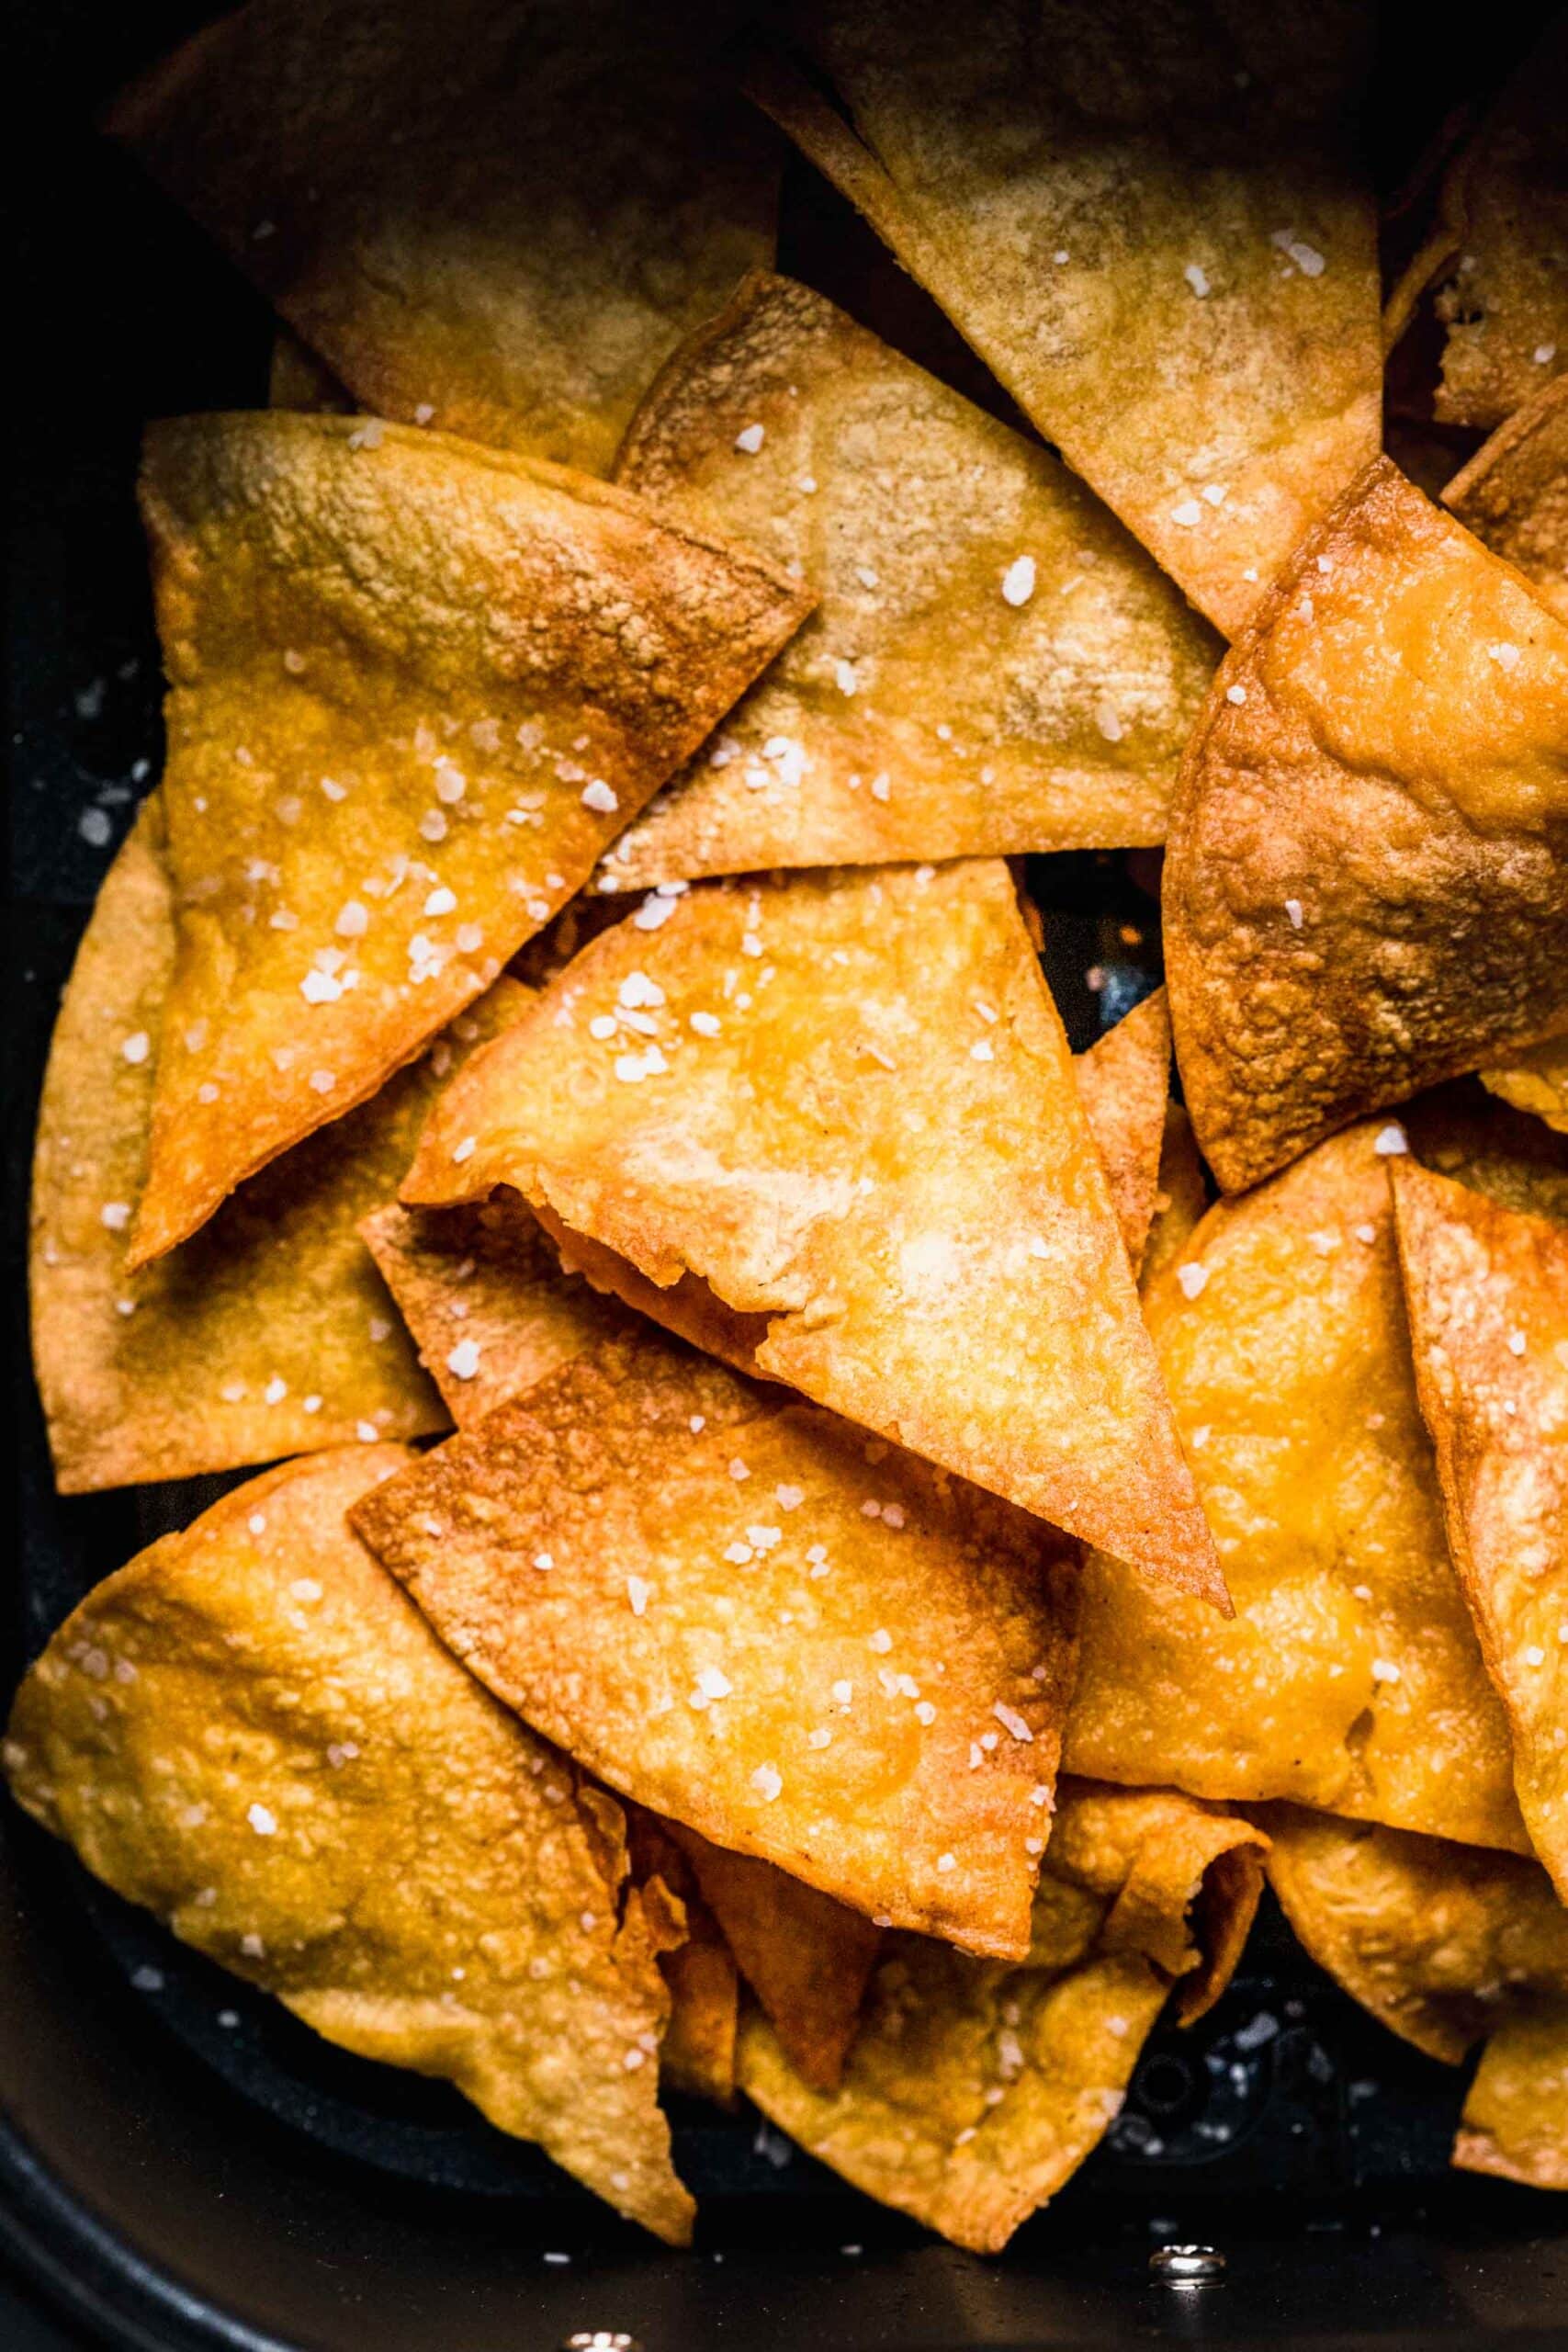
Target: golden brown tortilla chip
(974,2089)
(806,1957)
(1498,251)
(1537,1082)
(251,1732)
(267,1333)
(416,689)
(737,1610)
(1181,1195)
(493,218)
(484,1295)
(1351,1676)
(1123,1081)
(1487,1291)
(1366,889)
(697,2054)
(1513,493)
(843,1103)
(994,666)
(1515,2115)
(1147,221)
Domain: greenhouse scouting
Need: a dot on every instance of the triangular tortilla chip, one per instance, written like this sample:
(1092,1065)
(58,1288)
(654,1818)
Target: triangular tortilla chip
(974,2090)
(251,1732)
(499,218)
(484,1295)
(267,1333)
(1149,223)
(1487,1291)
(736,1611)
(841,1104)
(1123,1081)
(994,666)
(1351,1676)
(1537,1082)
(1181,1195)
(697,2053)
(806,1957)
(1498,253)
(1513,493)
(1366,889)
(1445,1945)
(416,689)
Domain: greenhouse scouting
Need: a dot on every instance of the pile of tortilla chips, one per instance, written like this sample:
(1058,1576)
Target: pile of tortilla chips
(808,1558)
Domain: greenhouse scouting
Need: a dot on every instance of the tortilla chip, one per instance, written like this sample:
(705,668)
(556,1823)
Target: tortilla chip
(1122,1081)
(1366,889)
(802,1166)
(496,219)
(416,686)
(1181,1195)
(1170,262)
(1513,493)
(484,1295)
(1349,1677)
(1538,1082)
(1516,2117)
(267,1333)
(1499,251)
(645,1536)
(297,379)
(974,2090)
(994,666)
(697,2054)
(806,1957)
(1487,1291)
(251,1732)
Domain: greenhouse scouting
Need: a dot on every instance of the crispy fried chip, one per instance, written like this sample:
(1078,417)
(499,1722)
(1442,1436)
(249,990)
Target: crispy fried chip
(1181,1195)
(806,1957)
(974,2090)
(734,1608)
(298,378)
(415,687)
(1366,889)
(1538,1082)
(697,2054)
(1486,1290)
(1123,1081)
(1515,2115)
(1351,1676)
(485,1297)
(995,666)
(1514,492)
(1498,251)
(1169,263)
(493,218)
(841,1106)
(251,1732)
(268,1332)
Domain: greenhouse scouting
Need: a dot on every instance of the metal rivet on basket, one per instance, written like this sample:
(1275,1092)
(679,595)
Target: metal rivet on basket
(600,2339)
(1187,2265)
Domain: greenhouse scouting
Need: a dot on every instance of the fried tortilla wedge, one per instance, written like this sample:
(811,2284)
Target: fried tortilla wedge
(1181,1195)
(697,2054)
(1123,1082)
(1538,1082)
(994,666)
(1445,1945)
(269,1332)
(1498,251)
(251,1732)
(298,378)
(1514,492)
(1147,221)
(1350,1677)
(1487,1291)
(830,1121)
(1366,889)
(496,218)
(974,2090)
(732,1607)
(415,686)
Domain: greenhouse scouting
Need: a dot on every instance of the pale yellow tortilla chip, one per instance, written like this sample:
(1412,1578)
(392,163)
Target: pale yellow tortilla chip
(1514,492)
(1181,1195)
(842,1104)
(974,2090)
(267,1333)
(750,1619)
(1487,1291)
(1515,2113)
(1537,1082)
(1123,1081)
(1499,251)
(493,218)
(1148,222)
(994,666)
(415,687)
(251,1732)
(1365,888)
(1350,1677)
